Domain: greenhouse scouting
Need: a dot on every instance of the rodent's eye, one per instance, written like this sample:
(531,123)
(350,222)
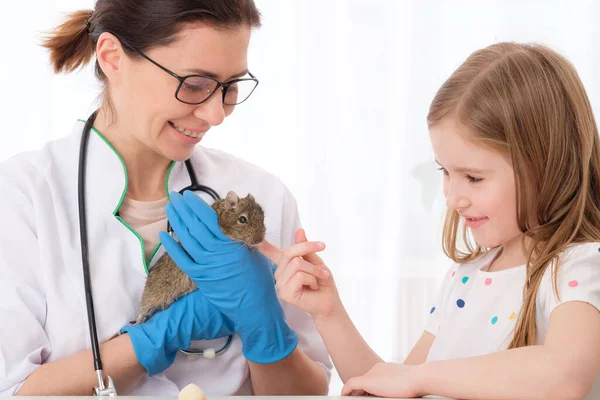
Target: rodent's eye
(243,219)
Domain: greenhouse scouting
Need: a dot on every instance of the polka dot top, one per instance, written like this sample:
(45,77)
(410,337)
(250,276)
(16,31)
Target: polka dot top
(476,311)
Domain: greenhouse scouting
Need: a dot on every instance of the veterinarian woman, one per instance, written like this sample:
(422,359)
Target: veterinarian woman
(170,70)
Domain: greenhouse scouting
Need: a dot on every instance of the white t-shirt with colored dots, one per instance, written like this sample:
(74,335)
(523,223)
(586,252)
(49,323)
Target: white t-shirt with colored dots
(476,311)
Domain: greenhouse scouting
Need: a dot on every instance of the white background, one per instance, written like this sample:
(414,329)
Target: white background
(339,115)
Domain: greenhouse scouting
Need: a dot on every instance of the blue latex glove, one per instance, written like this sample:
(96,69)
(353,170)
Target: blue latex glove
(237,280)
(191,317)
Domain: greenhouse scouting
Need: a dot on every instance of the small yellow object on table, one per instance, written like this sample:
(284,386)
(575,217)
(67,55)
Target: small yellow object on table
(192,392)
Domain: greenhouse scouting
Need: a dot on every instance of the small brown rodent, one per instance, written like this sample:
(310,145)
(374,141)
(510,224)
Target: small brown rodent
(242,220)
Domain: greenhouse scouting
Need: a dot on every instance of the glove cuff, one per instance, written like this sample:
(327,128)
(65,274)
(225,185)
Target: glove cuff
(268,343)
(150,349)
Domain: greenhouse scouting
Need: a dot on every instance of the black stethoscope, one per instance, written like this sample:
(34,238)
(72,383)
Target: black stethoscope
(109,389)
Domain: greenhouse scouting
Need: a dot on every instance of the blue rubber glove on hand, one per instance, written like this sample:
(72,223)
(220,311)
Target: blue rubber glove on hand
(237,280)
(191,317)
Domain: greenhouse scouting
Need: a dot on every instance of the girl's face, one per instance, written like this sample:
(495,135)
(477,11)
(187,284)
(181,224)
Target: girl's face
(478,183)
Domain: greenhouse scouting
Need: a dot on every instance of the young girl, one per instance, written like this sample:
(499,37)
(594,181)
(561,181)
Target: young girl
(517,316)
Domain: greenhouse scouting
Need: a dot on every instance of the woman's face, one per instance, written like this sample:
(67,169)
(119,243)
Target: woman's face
(143,95)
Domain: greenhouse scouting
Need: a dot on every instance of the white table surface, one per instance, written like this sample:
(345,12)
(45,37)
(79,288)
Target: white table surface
(217,398)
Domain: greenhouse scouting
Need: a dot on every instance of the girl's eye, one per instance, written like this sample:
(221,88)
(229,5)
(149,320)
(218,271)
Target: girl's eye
(472,179)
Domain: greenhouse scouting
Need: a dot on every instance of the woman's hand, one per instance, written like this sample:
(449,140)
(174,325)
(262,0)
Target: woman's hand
(385,380)
(236,279)
(302,278)
(191,317)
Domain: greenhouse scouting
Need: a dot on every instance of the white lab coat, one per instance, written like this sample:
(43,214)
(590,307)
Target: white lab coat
(42,305)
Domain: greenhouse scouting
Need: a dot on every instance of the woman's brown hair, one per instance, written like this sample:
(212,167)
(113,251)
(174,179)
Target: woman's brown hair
(139,24)
(527,102)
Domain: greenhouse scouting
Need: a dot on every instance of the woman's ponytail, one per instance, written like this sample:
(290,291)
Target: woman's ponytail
(70,45)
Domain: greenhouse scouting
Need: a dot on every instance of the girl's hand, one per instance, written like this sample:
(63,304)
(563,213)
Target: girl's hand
(302,278)
(385,380)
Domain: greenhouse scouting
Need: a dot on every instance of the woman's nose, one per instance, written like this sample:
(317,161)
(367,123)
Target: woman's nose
(212,110)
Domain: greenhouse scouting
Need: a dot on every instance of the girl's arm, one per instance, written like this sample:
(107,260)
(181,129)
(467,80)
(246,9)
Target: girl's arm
(350,353)
(304,280)
(420,350)
(564,367)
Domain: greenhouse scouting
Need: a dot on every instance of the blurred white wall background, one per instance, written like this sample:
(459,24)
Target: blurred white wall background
(339,115)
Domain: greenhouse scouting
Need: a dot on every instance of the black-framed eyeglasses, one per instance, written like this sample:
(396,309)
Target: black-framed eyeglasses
(196,89)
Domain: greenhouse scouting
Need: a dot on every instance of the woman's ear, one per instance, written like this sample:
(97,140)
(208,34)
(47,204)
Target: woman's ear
(109,54)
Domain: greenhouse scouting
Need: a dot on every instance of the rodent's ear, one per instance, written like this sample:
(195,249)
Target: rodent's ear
(250,197)
(231,200)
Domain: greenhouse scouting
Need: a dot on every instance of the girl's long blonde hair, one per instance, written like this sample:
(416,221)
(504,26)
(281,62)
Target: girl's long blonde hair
(528,102)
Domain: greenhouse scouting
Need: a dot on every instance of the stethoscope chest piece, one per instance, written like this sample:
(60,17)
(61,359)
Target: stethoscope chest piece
(101,390)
